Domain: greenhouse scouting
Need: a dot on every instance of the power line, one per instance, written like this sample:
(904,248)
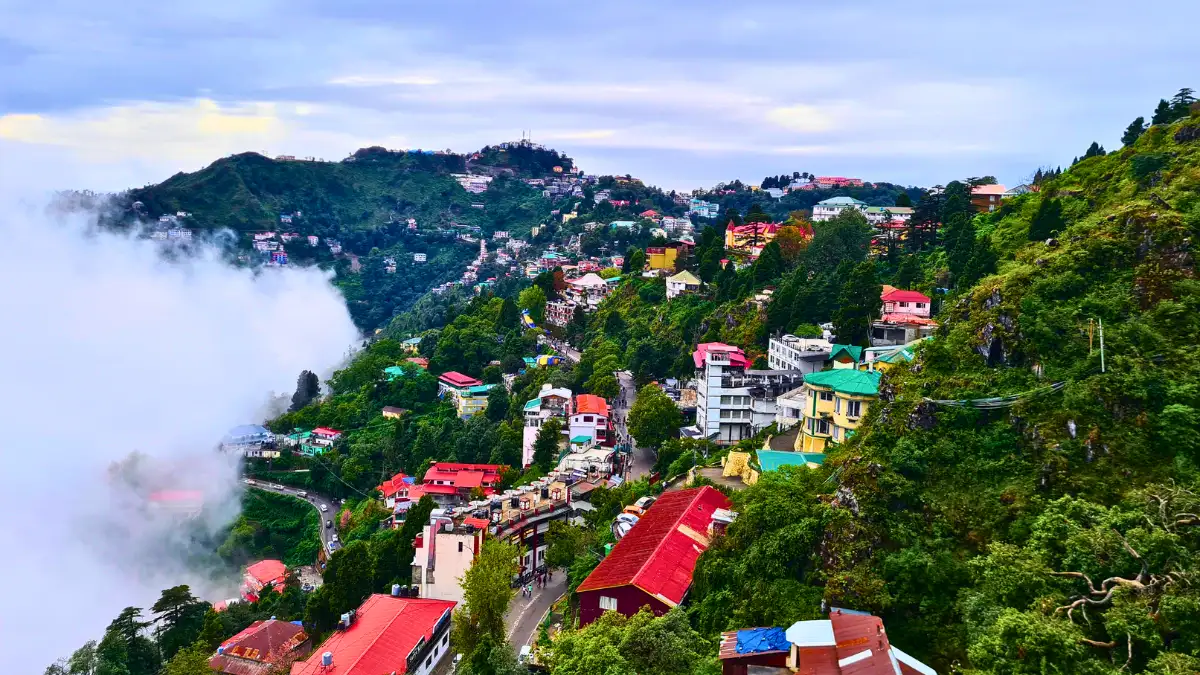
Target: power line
(996,401)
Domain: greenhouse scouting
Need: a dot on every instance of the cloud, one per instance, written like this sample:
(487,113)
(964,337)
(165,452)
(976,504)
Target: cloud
(807,118)
(383,80)
(110,349)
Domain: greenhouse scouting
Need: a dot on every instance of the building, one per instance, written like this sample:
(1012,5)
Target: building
(386,634)
(732,401)
(559,312)
(829,209)
(451,382)
(261,648)
(878,215)
(261,574)
(845,356)
(411,346)
(789,408)
(393,412)
(750,238)
(897,301)
(451,482)
(830,182)
(661,257)
(622,224)
(254,440)
(1021,189)
(588,290)
(703,209)
(681,283)
(397,489)
(836,403)
(443,552)
(324,436)
(589,417)
(986,198)
(550,402)
(472,400)
(848,642)
(808,355)
(420,257)
(904,318)
(652,564)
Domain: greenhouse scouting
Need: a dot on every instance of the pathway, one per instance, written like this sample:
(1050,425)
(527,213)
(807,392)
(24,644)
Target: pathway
(525,614)
(643,458)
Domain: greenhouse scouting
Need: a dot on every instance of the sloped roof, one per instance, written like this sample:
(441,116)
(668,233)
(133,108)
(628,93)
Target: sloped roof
(267,571)
(659,553)
(862,644)
(590,404)
(254,650)
(900,295)
(457,379)
(736,356)
(846,381)
(988,190)
(841,201)
(384,631)
(394,484)
(685,277)
(589,280)
(853,351)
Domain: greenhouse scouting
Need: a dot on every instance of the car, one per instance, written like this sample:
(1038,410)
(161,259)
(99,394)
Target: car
(303,494)
(526,653)
(308,588)
(334,537)
(250,481)
(324,508)
(328,524)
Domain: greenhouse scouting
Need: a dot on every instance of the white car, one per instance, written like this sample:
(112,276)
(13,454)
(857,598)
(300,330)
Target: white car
(334,537)
(526,652)
(324,508)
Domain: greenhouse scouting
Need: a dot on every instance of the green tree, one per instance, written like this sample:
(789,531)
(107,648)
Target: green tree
(903,199)
(565,543)
(909,272)
(348,577)
(497,404)
(190,661)
(1163,113)
(1134,131)
(1181,103)
(487,592)
(545,447)
(1047,220)
(858,305)
(643,643)
(125,650)
(308,387)
(180,617)
(845,238)
(654,418)
(508,317)
(533,299)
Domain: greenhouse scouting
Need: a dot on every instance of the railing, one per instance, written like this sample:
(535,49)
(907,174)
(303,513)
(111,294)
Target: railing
(534,516)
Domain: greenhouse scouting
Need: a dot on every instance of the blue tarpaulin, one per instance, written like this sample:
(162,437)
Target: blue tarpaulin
(757,640)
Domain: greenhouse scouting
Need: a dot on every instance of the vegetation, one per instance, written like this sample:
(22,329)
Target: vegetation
(273,526)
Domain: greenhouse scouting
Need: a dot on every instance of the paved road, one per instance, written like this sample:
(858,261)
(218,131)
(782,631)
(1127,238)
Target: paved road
(643,458)
(565,350)
(525,614)
(317,501)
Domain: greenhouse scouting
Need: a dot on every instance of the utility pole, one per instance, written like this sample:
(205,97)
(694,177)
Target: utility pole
(1101,345)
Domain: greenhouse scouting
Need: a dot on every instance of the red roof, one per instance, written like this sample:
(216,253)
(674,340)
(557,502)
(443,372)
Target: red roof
(477,523)
(648,213)
(326,431)
(900,295)
(988,190)
(393,485)
(267,571)
(460,476)
(862,644)
(753,228)
(384,631)
(659,553)
(468,479)
(590,404)
(901,317)
(419,360)
(254,650)
(457,379)
(736,356)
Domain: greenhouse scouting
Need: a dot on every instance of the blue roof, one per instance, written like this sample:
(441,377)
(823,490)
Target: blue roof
(480,388)
(393,372)
(759,640)
(412,341)
(773,460)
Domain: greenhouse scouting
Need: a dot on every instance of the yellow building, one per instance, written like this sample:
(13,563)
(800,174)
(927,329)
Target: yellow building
(661,257)
(836,403)
(471,400)
(845,356)
(750,238)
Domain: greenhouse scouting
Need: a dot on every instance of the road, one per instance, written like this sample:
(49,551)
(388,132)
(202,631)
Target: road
(643,458)
(317,501)
(525,614)
(565,350)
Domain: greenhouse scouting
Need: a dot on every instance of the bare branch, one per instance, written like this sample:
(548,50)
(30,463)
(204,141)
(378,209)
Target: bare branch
(1094,643)
(1141,577)
(1077,575)
(1129,644)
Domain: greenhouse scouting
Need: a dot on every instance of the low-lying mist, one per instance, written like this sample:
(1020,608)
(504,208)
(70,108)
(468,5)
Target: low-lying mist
(106,350)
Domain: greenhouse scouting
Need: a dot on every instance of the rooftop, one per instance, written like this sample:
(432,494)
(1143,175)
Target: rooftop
(773,460)
(841,201)
(847,381)
(457,379)
(684,277)
(988,190)
(267,571)
(384,633)
(590,404)
(900,295)
(257,648)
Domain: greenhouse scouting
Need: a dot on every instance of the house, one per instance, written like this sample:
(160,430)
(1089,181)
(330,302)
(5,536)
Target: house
(789,406)
(418,361)
(622,224)
(396,489)
(314,240)
(559,312)
(588,290)
(261,648)
(451,482)
(985,198)
(830,182)
(261,574)
(472,400)
(848,642)
(878,215)
(837,401)
(904,318)
(652,564)
(681,283)
(589,417)
(808,355)
(898,301)
(703,209)
(828,209)
(750,238)
(845,356)
(550,402)
(649,214)
(734,402)
(586,458)
(453,381)
(1022,189)
(324,436)
(412,345)
(393,412)
(386,634)
(661,257)
(443,552)
(420,257)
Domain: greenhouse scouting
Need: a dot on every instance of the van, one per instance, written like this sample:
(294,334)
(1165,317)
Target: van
(303,494)
(525,655)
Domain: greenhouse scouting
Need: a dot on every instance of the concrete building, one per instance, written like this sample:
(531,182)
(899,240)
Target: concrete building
(589,417)
(836,403)
(732,401)
(681,283)
(830,208)
(551,402)
(443,552)
(807,355)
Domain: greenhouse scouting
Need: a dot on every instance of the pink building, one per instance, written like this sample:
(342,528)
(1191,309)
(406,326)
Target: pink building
(899,301)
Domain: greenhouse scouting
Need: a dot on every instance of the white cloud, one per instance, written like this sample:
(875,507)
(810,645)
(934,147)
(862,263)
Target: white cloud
(801,117)
(109,349)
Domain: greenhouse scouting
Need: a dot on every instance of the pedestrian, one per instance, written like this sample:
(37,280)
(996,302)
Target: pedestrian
(550,575)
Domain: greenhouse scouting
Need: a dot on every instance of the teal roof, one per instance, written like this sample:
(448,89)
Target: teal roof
(837,201)
(772,460)
(529,360)
(901,355)
(622,223)
(393,372)
(534,404)
(581,439)
(480,389)
(846,381)
(855,353)
(412,341)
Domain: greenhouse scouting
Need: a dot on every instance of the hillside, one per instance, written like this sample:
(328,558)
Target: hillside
(977,528)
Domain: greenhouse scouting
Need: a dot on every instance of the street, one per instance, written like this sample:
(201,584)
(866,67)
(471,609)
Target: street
(525,614)
(643,459)
(315,500)
(565,350)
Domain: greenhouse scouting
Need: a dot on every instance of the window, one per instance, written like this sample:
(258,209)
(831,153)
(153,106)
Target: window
(607,603)
(837,433)
(726,400)
(460,547)
(587,418)
(837,405)
(827,396)
(920,305)
(854,408)
(445,639)
(904,304)
(822,426)
(811,422)
(428,661)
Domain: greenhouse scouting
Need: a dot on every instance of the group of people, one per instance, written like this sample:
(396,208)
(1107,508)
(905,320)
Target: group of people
(540,579)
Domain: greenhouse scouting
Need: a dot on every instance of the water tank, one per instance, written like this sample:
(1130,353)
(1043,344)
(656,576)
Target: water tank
(327,659)
(415,591)
(404,591)
(545,493)
(514,502)
(221,649)
(395,590)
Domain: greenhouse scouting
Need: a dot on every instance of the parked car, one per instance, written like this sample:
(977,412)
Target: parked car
(526,653)
(334,537)
(328,524)
(324,508)
(303,494)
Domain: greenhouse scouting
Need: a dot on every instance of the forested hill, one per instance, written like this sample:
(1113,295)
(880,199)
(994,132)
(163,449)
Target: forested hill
(1050,532)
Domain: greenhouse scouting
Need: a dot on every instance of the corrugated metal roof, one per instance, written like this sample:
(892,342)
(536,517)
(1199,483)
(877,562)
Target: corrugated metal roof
(846,381)
(862,645)
(384,631)
(659,554)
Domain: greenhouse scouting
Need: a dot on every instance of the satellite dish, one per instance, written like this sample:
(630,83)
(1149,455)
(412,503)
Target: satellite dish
(623,524)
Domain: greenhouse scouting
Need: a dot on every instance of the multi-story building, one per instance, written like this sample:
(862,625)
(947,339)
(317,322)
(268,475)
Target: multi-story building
(750,238)
(808,355)
(589,417)
(901,302)
(451,382)
(251,439)
(588,290)
(551,402)
(904,318)
(836,402)
(681,283)
(733,402)
(878,215)
(559,312)
(986,198)
(452,482)
(829,209)
(661,257)
(472,400)
(828,182)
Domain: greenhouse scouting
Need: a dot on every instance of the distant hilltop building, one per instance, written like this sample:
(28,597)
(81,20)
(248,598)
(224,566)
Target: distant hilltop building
(419,257)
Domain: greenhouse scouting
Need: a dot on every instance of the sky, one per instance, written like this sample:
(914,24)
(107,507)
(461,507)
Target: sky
(96,94)
(109,350)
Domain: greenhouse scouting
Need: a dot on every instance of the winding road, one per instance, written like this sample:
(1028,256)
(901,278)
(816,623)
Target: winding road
(317,501)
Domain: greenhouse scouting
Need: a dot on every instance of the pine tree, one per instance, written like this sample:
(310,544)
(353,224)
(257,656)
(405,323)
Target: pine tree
(903,199)
(545,448)
(1135,129)
(1046,221)
(1181,104)
(858,304)
(1162,114)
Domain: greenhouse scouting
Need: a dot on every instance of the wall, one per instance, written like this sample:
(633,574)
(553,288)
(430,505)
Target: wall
(630,599)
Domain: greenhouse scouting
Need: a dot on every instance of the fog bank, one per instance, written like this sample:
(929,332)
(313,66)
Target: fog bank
(108,349)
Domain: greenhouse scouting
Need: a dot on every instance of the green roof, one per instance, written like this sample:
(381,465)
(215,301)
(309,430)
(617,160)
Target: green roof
(900,355)
(480,389)
(412,341)
(846,381)
(855,353)
(393,372)
(773,460)
(581,439)
(534,404)
(835,201)
(685,277)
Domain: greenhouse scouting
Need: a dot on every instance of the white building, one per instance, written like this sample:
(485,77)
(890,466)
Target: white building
(733,403)
(807,355)
(419,257)
(830,208)
(588,290)
(551,402)
(790,407)
(683,282)
(589,419)
(443,553)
